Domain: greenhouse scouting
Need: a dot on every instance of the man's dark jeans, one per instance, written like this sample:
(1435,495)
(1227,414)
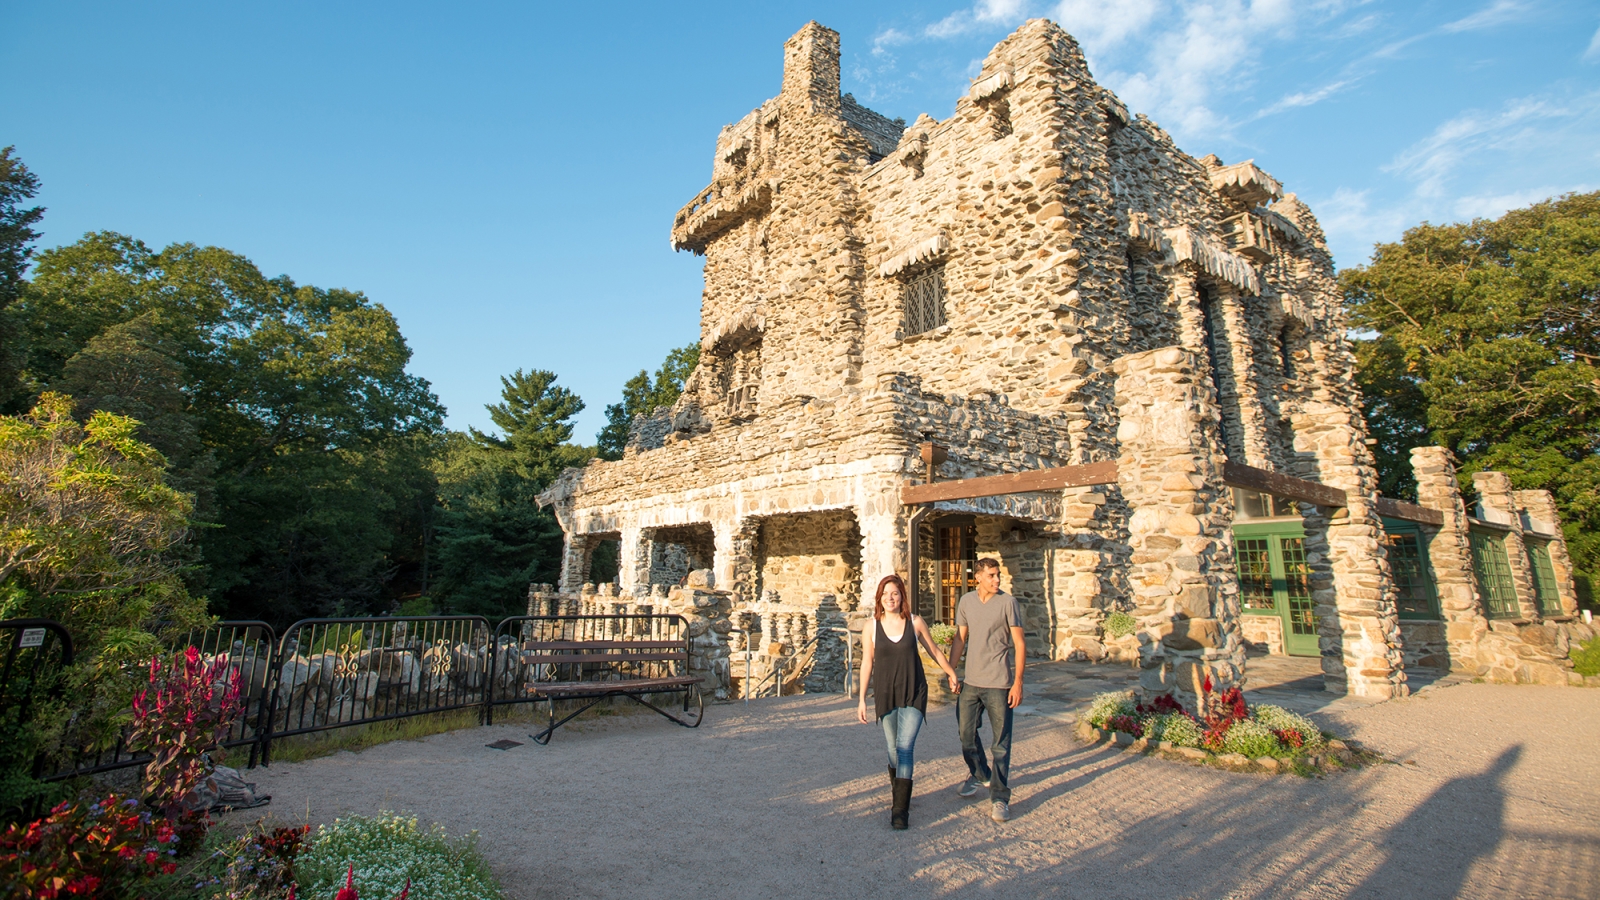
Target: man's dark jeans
(974,701)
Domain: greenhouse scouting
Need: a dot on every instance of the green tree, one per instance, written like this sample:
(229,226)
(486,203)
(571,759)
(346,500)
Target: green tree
(642,395)
(490,537)
(17,235)
(1486,336)
(298,393)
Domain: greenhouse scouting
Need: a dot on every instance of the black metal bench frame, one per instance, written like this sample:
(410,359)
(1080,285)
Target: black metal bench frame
(608,654)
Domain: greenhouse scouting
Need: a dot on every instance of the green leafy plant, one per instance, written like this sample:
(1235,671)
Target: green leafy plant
(1252,739)
(1176,728)
(1105,707)
(1294,731)
(186,711)
(943,634)
(1120,624)
(380,854)
(87,848)
(1586,658)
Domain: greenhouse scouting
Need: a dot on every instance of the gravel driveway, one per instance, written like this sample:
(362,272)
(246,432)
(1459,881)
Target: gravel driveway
(1495,793)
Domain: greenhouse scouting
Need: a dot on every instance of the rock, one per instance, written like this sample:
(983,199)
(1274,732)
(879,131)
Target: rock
(1233,759)
(1192,753)
(1268,763)
(700,580)
(1191,634)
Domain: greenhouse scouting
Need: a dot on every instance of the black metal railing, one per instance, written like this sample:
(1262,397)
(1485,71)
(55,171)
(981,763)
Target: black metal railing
(324,674)
(334,673)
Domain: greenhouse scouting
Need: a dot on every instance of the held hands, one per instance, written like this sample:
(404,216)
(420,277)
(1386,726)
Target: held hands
(955,684)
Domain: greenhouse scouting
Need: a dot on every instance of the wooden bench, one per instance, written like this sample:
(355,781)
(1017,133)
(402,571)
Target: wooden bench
(615,665)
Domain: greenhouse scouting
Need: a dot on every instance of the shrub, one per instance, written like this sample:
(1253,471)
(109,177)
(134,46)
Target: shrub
(1108,705)
(1252,739)
(87,848)
(1175,727)
(1586,658)
(1120,624)
(261,863)
(942,633)
(1295,731)
(388,849)
(186,711)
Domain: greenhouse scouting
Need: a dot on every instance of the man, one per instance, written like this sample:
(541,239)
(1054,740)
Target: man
(990,622)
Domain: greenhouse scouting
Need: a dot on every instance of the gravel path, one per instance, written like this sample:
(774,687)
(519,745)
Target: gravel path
(1496,794)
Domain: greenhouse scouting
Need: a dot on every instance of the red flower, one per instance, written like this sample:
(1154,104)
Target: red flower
(169,868)
(348,892)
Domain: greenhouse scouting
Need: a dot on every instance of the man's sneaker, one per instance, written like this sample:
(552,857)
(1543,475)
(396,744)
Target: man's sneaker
(1000,811)
(970,786)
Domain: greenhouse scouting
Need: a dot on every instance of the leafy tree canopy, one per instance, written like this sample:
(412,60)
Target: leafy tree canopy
(1485,339)
(17,234)
(642,395)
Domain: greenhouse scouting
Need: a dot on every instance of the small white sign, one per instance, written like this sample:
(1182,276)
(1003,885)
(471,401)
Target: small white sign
(31,637)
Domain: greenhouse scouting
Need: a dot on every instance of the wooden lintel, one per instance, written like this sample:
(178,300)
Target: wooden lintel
(1021,482)
(1254,479)
(1399,509)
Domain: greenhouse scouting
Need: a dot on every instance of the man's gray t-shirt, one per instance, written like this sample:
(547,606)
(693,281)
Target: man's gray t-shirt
(990,659)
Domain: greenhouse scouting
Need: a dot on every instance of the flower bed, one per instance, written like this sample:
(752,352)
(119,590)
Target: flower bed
(1226,731)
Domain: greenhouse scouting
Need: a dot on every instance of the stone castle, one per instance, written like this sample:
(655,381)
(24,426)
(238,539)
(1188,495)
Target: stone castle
(1039,331)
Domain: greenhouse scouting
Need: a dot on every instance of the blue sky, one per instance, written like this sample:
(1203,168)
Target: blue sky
(503,176)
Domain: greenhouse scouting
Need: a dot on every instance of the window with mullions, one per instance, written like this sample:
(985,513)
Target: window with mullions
(924,301)
(1544,579)
(1408,564)
(1493,573)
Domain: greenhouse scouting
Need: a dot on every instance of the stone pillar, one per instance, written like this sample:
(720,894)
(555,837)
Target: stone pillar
(1181,570)
(1450,556)
(633,562)
(1232,338)
(735,565)
(1541,505)
(1494,493)
(882,521)
(574,563)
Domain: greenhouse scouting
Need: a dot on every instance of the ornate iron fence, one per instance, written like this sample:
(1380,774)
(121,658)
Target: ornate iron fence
(37,654)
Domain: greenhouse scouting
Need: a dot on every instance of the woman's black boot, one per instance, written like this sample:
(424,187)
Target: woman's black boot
(900,815)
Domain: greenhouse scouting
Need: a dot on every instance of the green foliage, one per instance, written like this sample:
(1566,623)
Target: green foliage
(942,633)
(386,850)
(17,235)
(642,395)
(285,409)
(1485,339)
(1177,728)
(1586,658)
(491,537)
(106,847)
(1277,718)
(1120,624)
(417,606)
(1252,739)
(1104,707)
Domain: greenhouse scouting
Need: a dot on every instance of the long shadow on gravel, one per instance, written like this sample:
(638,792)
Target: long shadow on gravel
(1431,838)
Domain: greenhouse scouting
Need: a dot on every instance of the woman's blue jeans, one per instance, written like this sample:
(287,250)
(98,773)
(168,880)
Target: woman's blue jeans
(900,729)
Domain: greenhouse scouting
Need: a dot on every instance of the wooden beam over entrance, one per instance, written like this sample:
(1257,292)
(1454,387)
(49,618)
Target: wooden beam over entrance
(1254,479)
(1399,509)
(1021,482)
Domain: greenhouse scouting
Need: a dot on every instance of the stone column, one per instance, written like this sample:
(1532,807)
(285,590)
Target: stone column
(1181,570)
(735,565)
(1494,492)
(1232,339)
(882,521)
(574,563)
(1450,556)
(1541,505)
(633,562)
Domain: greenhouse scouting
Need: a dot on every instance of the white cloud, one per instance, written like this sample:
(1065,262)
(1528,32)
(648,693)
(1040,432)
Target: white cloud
(1102,24)
(1432,160)
(1492,206)
(888,38)
(1593,53)
(1498,13)
(1304,98)
(986,12)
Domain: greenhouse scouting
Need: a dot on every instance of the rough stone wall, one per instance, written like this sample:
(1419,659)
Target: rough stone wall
(1184,590)
(1068,235)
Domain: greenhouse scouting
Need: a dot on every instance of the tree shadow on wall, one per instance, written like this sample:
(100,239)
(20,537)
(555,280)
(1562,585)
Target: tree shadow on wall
(1429,842)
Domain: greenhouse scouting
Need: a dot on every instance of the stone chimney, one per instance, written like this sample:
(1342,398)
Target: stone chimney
(811,68)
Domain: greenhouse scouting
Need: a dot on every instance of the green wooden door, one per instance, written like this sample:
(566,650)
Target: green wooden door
(1274,579)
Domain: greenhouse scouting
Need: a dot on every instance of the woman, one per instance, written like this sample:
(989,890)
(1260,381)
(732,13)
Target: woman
(889,649)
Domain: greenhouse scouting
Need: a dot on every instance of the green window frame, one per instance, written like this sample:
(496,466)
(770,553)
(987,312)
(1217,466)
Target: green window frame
(1415,597)
(1544,579)
(1492,570)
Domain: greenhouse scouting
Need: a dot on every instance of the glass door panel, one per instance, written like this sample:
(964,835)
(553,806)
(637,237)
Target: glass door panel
(1275,579)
